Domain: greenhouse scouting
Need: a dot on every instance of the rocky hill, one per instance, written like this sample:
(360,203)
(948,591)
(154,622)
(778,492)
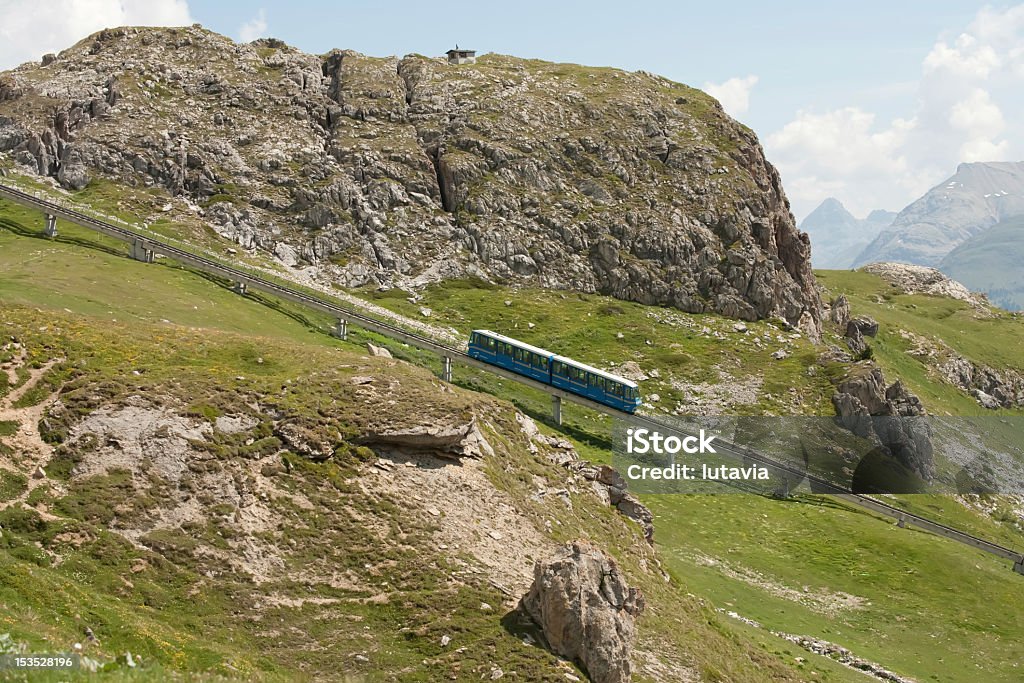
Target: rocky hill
(975,198)
(837,236)
(391,171)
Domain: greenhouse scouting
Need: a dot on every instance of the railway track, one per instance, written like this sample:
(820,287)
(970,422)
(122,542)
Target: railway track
(144,247)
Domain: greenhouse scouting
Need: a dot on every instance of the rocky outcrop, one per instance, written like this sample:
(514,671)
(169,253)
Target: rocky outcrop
(991,388)
(858,328)
(586,610)
(399,172)
(844,657)
(853,329)
(884,414)
(622,500)
(461,441)
(604,481)
(864,325)
(911,279)
(839,312)
(309,443)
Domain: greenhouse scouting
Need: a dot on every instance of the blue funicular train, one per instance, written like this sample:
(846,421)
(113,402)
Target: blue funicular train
(558,371)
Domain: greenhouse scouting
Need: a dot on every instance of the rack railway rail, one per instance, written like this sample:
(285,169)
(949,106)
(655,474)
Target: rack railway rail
(144,248)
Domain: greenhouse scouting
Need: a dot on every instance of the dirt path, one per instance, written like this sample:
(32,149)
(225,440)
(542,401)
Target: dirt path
(11,366)
(30,451)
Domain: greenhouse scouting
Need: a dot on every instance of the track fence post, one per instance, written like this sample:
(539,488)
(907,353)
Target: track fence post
(142,252)
(51,225)
(341,329)
(446,371)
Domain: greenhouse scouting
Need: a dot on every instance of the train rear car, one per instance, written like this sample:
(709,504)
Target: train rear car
(511,354)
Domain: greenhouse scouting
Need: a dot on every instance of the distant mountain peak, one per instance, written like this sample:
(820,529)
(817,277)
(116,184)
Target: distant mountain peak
(837,235)
(976,197)
(879,215)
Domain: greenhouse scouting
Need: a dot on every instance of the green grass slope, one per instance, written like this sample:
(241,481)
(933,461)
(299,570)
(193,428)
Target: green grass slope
(989,338)
(130,329)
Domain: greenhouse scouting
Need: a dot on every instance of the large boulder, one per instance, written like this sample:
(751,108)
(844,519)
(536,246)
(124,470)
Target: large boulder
(840,313)
(866,325)
(584,606)
(888,416)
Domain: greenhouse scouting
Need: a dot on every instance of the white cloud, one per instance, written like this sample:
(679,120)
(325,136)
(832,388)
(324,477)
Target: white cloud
(985,150)
(734,94)
(254,28)
(29,28)
(843,153)
(977,115)
(966,57)
(966,82)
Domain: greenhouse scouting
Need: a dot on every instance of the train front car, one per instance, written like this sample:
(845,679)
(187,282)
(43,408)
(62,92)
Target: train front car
(598,385)
(511,354)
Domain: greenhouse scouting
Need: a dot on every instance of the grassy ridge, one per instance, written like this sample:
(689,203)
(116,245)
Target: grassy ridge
(992,340)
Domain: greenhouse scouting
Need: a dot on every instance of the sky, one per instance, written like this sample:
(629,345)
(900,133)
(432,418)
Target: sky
(870,102)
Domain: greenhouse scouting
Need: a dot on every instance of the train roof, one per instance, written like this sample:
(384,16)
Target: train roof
(593,370)
(570,361)
(516,342)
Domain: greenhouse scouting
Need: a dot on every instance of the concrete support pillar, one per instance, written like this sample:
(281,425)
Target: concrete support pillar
(140,252)
(446,371)
(239,288)
(901,522)
(341,330)
(556,409)
(51,226)
(1018,566)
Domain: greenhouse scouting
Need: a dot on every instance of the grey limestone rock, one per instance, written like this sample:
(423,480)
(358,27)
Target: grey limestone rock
(587,610)
(399,171)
